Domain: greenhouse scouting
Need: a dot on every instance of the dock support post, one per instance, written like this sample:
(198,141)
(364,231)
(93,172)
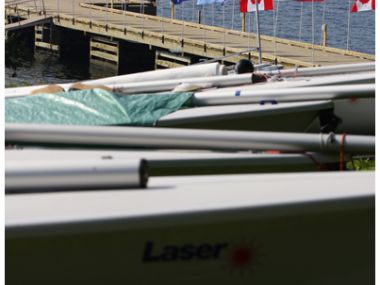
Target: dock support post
(243,22)
(324,35)
(199,16)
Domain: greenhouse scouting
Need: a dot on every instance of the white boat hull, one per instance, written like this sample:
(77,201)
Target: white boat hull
(283,117)
(245,229)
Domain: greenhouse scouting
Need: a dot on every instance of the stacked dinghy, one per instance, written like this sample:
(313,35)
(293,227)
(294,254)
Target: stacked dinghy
(190,176)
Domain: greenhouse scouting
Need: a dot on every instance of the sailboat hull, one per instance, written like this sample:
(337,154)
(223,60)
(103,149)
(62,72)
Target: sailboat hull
(262,229)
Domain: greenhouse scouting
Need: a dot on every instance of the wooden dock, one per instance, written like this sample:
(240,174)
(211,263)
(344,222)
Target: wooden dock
(186,38)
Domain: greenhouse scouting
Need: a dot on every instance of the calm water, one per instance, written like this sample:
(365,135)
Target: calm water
(47,68)
(331,12)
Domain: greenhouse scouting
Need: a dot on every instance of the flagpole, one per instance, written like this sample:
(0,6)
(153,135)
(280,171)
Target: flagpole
(348,24)
(183,21)
(224,30)
(212,7)
(323,16)
(192,18)
(249,35)
(162,15)
(275,29)
(300,31)
(223,15)
(143,11)
(258,31)
(312,32)
(204,23)
(233,14)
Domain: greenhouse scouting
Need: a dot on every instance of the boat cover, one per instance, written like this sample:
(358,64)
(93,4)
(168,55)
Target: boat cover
(94,107)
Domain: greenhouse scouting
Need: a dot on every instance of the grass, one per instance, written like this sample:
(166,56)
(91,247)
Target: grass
(361,164)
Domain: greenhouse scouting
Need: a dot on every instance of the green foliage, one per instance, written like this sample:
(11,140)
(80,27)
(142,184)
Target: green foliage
(361,164)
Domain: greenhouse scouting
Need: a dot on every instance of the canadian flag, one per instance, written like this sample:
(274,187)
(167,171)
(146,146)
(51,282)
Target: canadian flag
(363,5)
(250,5)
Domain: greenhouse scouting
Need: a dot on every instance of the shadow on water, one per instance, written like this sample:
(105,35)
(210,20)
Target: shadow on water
(48,68)
(26,66)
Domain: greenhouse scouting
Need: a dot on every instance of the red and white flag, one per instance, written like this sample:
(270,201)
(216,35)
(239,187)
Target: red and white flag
(363,5)
(250,5)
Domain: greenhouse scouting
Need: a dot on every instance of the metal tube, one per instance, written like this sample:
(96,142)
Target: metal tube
(210,69)
(325,70)
(185,139)
(216,81)
(29,176)
(180,162)
(170,84)
(284,95)
(235,80)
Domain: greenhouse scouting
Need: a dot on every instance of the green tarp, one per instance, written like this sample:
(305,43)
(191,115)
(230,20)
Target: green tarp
(94,107)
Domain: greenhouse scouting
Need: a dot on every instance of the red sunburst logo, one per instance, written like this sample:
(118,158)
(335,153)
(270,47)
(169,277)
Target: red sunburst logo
(245,256)
(242,257)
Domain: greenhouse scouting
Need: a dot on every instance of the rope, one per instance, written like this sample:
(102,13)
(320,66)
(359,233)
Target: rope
(341,151)
(320,166)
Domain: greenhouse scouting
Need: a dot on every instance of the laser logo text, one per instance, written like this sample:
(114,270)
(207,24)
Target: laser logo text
(185,252)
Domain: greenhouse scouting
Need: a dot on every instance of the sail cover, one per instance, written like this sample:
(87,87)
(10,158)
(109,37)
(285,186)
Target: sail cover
(94,107)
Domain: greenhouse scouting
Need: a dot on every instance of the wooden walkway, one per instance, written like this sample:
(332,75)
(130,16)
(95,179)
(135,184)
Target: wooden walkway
(185,37)
(27,23)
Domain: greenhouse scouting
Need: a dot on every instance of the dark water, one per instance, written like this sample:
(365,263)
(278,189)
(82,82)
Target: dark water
(48,68)
(45,68)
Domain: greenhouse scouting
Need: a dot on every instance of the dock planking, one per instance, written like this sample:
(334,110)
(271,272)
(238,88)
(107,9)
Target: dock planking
(183,37)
